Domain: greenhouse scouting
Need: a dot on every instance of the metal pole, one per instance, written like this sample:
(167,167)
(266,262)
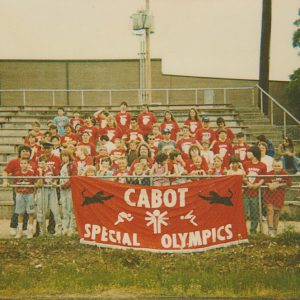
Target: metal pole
(225,97)
(196,96)
(272,114)
(148,58)
(253,97)
(261,102)
(44,209)
(284,123)
(24,97)
(110,98)
(53,98)
(167,96)
(260,211)
(82,98)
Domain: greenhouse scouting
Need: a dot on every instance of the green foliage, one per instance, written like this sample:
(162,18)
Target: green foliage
(296,35)
(59,267)
(293,88)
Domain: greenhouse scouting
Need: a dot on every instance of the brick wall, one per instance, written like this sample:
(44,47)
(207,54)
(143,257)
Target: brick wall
(111,74)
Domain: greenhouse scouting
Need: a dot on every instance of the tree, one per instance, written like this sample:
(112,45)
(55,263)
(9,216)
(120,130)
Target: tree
(264,64)
(293,88)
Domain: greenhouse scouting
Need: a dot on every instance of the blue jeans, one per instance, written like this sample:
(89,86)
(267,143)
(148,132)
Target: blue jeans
(290,162)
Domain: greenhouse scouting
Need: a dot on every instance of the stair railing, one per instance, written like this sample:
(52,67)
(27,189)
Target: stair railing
(275,103)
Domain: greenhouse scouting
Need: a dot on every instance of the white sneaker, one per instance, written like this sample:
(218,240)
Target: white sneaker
(272,233)
(19,234)
(12,231)
(70,232)
(29,234)
(58,230)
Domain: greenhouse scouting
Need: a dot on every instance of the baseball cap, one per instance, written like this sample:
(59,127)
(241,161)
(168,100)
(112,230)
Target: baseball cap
(47,145)
(205,119)
(166,131)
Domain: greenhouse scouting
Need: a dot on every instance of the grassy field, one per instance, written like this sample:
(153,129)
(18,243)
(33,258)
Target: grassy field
(61,266)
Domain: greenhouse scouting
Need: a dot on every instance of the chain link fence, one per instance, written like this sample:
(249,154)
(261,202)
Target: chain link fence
(52,207)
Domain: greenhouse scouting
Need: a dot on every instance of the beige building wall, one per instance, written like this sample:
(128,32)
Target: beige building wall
(109,75)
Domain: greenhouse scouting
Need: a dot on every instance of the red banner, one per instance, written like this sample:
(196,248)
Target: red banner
(191,217)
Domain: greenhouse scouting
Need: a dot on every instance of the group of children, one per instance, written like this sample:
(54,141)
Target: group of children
(126,149)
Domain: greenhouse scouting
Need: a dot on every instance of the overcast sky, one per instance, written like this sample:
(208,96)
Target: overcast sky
(209,38)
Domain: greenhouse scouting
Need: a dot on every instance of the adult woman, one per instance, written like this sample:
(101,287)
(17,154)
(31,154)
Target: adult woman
(287,153)
(193,121)
(170,123)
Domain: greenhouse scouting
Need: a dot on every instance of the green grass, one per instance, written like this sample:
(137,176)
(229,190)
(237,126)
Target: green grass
(264,268)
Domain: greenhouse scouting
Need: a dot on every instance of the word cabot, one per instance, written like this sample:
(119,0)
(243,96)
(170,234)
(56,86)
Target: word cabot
(192,217)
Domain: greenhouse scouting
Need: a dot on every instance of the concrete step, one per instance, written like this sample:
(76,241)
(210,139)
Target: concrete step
(11,140)
(5,194)
(7,147)
(13,132)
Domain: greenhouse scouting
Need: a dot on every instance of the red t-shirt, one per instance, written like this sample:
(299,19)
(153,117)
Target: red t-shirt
(190,166)
(13,166)
(230,134)
(133,135)
(225,150)
(241,151)
(68,138)
(82,163)
(146,121)
(91,148)
(55,163)
(251,168)
(172,126)
(194,125)
(113,133)
(183,145)
(123,121)
(276,197)
(74,122)
(205,134)
(93,131)
(24,181)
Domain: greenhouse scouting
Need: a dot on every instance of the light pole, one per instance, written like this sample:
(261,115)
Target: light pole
(143,27)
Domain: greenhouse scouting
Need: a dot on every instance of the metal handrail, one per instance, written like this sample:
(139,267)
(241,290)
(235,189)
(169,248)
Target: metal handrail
(284,110)
(138,92)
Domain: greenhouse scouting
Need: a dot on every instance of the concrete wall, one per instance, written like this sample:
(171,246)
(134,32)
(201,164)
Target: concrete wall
(111,74)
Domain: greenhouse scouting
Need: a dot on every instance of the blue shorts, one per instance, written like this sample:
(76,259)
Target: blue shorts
(24,203)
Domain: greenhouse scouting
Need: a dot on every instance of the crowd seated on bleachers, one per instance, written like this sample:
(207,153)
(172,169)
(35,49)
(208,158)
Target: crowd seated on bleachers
(114,147)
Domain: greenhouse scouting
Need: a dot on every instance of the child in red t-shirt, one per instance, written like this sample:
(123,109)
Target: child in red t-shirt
(24,197)
(274,195)
(123,118)
(146,119)
(76,120)
(253,167)
(240,148)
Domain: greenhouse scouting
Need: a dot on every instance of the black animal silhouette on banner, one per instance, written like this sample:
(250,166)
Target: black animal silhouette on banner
(97,198)
(215,198)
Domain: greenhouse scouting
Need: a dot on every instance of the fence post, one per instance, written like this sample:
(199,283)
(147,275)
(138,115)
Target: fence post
(110,98)
(82,98)
(168,100)
(24,97)
(253,97)
(225,96)
(284,123)
(261,102)
(272,113)
(196,96)
(260,210)
(53,98)
(44,227)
